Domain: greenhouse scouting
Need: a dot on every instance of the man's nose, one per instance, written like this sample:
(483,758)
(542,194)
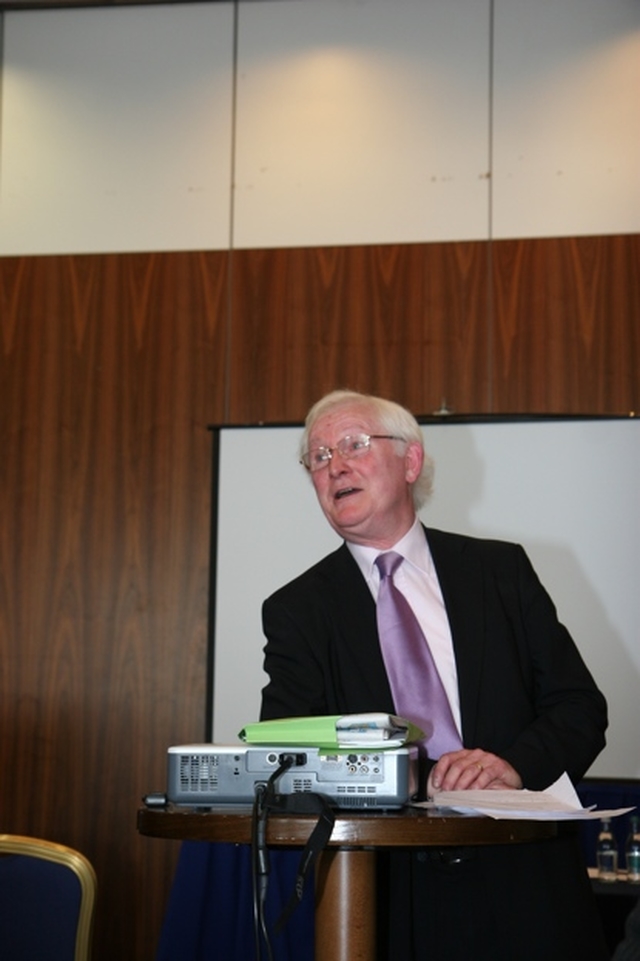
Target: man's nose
(338,462)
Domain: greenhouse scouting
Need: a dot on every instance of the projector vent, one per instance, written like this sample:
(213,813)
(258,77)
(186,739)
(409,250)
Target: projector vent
(356,789)
(354,801)
(302,785)
(199,772)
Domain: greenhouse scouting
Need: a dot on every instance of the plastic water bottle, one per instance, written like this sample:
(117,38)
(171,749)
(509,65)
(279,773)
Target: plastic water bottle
(632,850)
(606,852)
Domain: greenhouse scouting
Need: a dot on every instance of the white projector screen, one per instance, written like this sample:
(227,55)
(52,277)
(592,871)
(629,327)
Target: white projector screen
(567,489)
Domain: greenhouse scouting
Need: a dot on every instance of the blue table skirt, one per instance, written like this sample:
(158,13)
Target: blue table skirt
(209,916)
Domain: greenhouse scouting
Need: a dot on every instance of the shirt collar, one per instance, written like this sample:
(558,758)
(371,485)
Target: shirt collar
(412,546)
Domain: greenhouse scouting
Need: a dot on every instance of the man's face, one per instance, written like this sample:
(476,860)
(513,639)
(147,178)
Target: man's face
(367,500)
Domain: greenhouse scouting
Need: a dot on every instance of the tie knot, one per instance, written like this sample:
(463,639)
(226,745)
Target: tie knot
(388,563)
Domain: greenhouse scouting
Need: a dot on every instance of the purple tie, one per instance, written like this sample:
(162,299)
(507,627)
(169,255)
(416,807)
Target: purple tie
(417,690)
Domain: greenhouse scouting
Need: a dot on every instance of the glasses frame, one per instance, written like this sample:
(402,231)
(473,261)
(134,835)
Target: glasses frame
(345,454)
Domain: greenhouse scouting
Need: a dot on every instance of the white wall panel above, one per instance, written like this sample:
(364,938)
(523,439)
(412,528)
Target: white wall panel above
(566,155)
(362,122)
(356,121)
(116,129)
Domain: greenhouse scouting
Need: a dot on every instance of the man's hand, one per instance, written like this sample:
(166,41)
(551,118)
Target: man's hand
(472,769)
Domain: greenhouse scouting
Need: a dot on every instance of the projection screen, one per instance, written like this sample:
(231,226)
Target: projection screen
(567,489)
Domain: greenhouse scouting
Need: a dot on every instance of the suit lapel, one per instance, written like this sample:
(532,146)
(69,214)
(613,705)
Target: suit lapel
(355,612)
(461,582)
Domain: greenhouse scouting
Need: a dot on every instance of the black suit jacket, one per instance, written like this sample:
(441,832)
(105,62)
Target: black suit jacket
(525,692)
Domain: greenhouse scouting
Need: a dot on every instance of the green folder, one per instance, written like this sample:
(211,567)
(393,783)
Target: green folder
(370,731)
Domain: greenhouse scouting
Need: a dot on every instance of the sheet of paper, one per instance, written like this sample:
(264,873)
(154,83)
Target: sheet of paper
(559,802)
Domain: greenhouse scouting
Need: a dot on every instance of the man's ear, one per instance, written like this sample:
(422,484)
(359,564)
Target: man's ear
(414,459)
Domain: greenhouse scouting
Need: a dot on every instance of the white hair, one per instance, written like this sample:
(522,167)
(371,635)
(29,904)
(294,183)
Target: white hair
(392,418)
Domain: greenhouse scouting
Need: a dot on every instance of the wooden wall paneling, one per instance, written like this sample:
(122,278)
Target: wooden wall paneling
(455,328)
(566,325)
(407,321)
(616,291)
(111,370)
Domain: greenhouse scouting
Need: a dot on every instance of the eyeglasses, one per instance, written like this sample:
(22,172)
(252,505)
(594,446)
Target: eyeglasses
(354,445)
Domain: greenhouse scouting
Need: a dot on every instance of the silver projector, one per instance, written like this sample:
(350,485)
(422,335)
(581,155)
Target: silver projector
(205,775)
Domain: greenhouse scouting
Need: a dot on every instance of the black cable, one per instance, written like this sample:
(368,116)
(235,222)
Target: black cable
(264,795)
(259,868)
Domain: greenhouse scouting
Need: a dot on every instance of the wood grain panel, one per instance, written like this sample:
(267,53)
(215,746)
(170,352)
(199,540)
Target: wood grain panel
(407,321)
(567,325)
(111,370)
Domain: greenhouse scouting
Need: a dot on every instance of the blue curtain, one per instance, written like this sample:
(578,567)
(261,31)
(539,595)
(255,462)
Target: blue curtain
(209,916)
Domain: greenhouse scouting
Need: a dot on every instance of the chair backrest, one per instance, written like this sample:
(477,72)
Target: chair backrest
(47,901)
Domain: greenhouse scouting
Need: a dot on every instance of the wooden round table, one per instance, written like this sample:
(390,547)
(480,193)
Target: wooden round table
(346,872)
